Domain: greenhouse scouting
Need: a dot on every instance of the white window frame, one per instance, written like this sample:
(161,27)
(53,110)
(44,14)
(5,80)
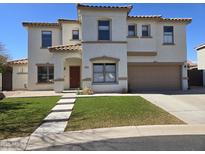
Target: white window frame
(104,72)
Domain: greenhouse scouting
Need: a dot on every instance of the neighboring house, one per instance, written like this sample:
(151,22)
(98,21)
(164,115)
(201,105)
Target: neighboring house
(195,76)
(19,74)
(109,51)
(0,81)
(201,59)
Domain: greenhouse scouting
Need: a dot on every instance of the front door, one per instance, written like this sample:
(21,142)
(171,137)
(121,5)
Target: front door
(74,76)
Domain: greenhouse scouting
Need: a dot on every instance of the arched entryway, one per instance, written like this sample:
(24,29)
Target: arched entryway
(67,61)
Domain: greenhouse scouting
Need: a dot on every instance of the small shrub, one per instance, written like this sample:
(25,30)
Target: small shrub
(87,91)
(2,96)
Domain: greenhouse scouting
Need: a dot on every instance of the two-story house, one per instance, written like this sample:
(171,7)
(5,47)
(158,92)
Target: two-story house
(109,51)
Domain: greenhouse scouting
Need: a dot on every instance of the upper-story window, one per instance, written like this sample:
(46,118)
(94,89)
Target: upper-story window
(132,30)
(46,39)
(104,30)
(168,34)
(146,31)
(75,34)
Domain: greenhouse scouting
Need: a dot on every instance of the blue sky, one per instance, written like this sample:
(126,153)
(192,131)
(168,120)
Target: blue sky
(14,36)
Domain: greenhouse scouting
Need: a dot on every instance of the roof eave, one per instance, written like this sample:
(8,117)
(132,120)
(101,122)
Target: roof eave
(18,62)
(159,18)
(40,24)
(127,8)
(200,47)
(63,48)
(68,21)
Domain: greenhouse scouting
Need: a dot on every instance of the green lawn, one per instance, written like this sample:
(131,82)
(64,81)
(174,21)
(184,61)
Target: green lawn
(99,112)
(21,116)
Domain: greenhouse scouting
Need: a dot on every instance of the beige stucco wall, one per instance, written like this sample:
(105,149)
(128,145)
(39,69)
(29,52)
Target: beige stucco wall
(37,55)
(138,44)
(109,50)
(201,59)
(165,53)
(114,50)
(90,24)
(20,77)
(67,33)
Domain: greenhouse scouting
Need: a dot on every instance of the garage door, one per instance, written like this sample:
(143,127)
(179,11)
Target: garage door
(154,77)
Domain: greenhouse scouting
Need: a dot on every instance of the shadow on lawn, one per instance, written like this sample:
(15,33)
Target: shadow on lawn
(17,129)
(14,123)
(8,106)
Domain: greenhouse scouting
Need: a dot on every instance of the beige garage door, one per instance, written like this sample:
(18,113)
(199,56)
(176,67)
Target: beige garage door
(154,77)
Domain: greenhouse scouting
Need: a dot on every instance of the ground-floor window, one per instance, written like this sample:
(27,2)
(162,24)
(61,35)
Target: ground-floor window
(104,72)
(45,73)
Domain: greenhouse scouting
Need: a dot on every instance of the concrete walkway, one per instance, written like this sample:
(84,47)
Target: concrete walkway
(71,138)
(57,120)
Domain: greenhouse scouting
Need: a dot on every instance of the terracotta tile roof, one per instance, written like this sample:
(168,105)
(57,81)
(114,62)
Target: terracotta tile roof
(202,46)
(73,47)
(145,16)
(39,24)
(191,65)
(178,19)
(47,24)
(160,18)
(82,6)
(19,61)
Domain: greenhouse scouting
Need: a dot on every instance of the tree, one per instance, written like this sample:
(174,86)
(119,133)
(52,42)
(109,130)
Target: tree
(3,57)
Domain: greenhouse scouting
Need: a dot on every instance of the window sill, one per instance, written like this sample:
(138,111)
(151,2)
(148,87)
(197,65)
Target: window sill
(45,83)
(22,73)
(104,40)
(168,44)
(105,83)
(132,37)
(44,47)
(146,37)
(75,40)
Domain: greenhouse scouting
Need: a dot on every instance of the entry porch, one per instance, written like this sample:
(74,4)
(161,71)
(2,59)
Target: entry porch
(67,67)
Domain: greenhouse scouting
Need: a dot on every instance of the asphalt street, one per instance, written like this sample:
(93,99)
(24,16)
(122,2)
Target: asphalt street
(154,143)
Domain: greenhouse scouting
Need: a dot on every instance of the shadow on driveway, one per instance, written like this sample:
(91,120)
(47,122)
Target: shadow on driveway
(191,91)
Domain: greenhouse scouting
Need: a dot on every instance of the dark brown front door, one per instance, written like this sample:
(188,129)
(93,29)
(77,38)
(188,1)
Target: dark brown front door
(74,76)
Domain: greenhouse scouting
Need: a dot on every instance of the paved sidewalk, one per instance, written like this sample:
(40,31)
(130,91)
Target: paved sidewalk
(71,138)
(57,120)
(27,93)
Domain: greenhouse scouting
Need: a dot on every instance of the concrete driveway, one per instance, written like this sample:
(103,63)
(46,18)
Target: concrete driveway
(188,106)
